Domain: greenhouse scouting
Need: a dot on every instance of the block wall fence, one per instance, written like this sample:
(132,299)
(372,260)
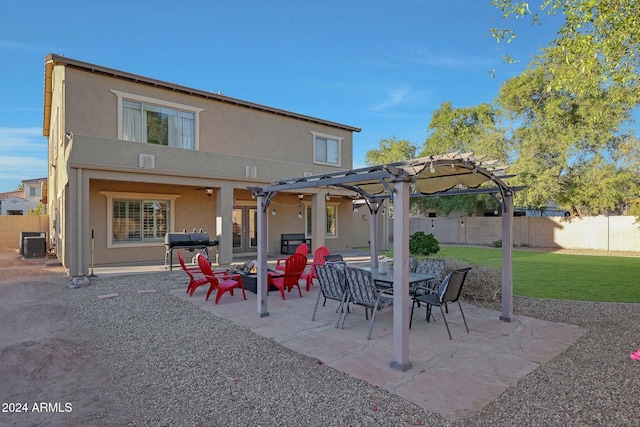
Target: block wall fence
(12,225)
(605,233)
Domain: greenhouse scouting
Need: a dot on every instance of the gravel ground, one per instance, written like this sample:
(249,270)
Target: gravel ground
(154,360)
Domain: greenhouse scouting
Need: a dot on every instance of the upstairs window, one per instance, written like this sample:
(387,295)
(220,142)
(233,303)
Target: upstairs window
(326,149)
(143,119)
(158,125)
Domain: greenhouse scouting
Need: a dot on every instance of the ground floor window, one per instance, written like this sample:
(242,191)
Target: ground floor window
(138,219)
(331,225)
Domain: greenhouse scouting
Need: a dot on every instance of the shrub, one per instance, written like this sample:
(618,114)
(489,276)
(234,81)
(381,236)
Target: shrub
(483,284)
(423,244)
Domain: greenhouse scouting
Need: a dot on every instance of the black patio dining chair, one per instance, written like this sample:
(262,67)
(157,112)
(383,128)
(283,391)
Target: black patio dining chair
(413,264)
(362,291)
(433,266)
(332,281)
(449,291)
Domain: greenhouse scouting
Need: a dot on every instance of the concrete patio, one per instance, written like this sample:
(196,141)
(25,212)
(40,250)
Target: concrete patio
(453,378)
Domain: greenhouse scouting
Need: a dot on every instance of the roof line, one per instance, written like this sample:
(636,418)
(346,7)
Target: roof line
(58,59)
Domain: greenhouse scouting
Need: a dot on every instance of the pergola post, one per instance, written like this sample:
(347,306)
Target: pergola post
(507,257)
(373,233)
(262,277)
(400,359)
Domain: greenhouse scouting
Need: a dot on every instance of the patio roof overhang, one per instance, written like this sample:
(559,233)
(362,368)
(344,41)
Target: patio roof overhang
(438,175)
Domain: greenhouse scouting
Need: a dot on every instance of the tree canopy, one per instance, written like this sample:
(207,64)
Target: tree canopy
(389,151)
(565,124)
(570,111)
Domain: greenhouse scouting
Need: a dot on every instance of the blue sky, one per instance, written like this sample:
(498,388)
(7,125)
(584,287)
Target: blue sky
(381,65)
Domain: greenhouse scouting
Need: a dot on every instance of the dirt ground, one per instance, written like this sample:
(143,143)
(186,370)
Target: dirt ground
(45,370)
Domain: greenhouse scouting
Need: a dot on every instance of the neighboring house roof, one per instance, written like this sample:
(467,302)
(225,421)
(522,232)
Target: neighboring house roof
(10,194)
(53,59)
(34,181)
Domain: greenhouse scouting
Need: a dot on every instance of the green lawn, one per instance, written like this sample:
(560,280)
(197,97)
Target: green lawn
(561,276)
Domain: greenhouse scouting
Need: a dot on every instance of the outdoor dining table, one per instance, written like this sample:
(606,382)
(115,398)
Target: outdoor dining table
(385,280)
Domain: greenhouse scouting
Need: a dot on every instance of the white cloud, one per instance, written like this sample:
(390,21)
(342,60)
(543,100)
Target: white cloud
(23,155)
(25,141)
(9,45)
(19,168)
(423,56)
(393,97)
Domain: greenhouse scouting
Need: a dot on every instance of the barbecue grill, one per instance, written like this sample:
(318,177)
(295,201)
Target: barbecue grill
(190,241)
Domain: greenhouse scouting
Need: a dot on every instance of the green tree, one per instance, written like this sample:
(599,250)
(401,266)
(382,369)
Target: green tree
(570,111)
(596,46)
(38,210)
(562,140)
(473,129)
(390,151)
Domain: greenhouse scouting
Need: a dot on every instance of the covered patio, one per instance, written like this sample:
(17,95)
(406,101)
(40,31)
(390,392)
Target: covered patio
(447,174)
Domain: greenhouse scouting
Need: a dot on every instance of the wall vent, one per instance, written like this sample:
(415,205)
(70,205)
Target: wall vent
(251,171)
(147,161)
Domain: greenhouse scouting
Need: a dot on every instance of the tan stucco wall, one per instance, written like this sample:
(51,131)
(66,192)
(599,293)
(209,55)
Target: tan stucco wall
(193,209)
(224,128)
(12,225)
(231,138)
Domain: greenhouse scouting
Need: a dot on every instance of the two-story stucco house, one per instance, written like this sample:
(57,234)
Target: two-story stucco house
(132,158)
(13,203)
(33,192)
(20,202)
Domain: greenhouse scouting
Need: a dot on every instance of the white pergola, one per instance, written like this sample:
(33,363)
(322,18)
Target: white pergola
(447,174)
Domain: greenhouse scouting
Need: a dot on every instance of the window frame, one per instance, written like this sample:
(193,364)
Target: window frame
(141,197)
(124,96)
(337,139)
(308,221)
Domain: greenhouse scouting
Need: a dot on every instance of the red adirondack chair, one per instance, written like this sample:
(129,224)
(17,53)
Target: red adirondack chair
(302,248)
(220,282)
(318,259)
(293,268)
(194,281)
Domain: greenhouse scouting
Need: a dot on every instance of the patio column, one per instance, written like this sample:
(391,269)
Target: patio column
(224,223)
(401,275)
(507,257)
(78,219)
(262,279)
(373,233)
(318,220)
